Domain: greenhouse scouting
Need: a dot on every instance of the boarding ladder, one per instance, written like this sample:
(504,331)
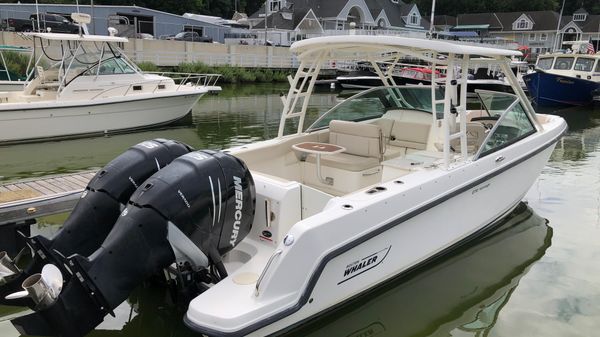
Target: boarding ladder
(451,112)
(301,87)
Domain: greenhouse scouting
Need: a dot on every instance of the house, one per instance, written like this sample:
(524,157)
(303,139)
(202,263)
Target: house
(534,29)
(285,21)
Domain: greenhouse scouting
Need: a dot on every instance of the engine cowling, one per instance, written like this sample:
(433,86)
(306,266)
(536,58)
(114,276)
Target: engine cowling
(194,210)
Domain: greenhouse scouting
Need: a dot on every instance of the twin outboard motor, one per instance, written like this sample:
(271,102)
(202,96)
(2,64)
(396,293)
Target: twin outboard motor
(186,216)
(95,213)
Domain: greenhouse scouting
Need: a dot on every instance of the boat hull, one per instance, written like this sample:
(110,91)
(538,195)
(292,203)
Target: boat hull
(71,119)
(550,90)
(378,243)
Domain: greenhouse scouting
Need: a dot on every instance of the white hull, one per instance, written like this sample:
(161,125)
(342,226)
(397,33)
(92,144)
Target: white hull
(422,224)
(23,122)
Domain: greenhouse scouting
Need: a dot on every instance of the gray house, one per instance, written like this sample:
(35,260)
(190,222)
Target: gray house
(129,20)
(536,29)
(291,20)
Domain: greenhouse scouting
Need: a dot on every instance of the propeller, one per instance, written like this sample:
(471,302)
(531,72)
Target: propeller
(43,288)
(7,267)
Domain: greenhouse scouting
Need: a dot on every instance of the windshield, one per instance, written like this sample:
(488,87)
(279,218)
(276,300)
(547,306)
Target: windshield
(545,63)
(375,102)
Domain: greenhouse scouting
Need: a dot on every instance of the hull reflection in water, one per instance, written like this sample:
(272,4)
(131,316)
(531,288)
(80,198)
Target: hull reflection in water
(459,295)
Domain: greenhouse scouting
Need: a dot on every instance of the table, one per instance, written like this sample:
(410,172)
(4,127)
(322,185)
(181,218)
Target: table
(319,149)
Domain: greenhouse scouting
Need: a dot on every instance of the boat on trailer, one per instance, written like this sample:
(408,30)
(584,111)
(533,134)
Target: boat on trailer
(270,235)
(84,84)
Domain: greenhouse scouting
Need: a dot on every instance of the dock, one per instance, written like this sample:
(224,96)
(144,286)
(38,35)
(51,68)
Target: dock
(21,202)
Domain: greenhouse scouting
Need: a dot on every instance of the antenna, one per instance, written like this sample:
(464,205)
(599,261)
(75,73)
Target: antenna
(431,26)
(558,26)
(37,13)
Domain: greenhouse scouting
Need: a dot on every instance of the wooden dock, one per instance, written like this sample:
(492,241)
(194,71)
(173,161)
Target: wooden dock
(27,199)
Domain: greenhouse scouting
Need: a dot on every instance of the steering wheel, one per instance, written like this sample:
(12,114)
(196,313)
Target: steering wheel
(487,121)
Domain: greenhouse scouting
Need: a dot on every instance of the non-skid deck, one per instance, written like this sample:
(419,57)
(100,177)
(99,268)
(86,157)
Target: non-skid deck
(31,198)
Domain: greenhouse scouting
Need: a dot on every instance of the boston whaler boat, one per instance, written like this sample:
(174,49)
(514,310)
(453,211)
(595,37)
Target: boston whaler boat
(271,234)
(84,84)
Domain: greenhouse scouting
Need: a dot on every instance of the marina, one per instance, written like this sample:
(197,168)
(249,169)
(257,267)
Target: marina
(405,177)
(232,121)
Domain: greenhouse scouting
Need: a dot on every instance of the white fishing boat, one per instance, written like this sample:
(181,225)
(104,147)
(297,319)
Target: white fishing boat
(272,234)
(84,84)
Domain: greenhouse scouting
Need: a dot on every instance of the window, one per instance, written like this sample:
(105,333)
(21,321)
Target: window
(275,5)
(579,17)
(598,68)
(584,64)
(532,37)
(414,19)
(563,63)
(545,63)
(543,37)
(513,125)
(522,24)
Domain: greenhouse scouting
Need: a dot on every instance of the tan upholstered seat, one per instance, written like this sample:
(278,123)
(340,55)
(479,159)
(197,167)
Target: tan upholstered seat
(363,143)
(476,133)
(410,135)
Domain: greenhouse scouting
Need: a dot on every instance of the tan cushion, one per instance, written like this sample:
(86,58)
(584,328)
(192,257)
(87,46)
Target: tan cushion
(346,161)
(359,139)
(411,135)
(476,133)
(386,125)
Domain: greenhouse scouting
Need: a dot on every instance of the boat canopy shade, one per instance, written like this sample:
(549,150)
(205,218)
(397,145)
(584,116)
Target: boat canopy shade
(76,37)
(459,34)
(348,46)
(459,27)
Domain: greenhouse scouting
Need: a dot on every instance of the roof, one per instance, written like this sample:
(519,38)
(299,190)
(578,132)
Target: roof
(75,37)
(348,45)
(444,20)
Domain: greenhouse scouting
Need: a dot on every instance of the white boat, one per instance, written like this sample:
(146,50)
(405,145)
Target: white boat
(411,185)
(10,81)
(84,85)
(272,234)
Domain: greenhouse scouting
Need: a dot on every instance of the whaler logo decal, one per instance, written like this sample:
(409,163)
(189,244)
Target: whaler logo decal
(365,264)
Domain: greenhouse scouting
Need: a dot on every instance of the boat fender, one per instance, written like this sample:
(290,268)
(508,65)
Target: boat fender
(208,196)
(98,208)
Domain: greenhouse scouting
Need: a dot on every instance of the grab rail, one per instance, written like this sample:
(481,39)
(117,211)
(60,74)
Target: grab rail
(262,275)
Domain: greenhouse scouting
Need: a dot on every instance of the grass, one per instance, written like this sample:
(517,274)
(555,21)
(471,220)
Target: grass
(229,74)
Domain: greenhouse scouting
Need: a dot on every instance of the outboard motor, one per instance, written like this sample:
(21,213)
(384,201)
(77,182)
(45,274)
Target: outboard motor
(95,213)
(190,213)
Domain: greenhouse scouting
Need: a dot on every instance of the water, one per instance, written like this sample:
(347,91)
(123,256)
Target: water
(527,278)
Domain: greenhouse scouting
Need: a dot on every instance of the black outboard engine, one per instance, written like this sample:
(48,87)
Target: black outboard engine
(96,211)
(190,213)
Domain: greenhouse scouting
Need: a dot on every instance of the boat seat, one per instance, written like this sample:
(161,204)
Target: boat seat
(409,135)
(476,133)
(363,142)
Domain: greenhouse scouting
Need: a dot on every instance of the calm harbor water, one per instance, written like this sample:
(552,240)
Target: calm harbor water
(536,275)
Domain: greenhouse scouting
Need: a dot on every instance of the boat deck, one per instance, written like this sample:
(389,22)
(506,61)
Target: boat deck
(31,198)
